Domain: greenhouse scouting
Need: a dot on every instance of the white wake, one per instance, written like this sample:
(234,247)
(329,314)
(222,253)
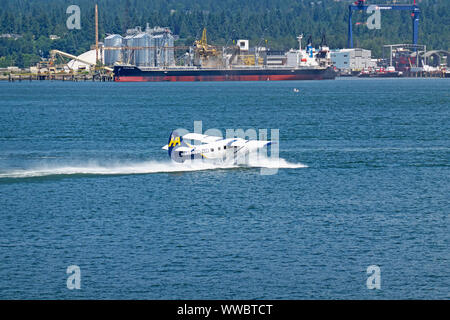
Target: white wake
(145,167)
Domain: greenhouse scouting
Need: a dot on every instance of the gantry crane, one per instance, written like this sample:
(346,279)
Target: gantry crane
(361,5)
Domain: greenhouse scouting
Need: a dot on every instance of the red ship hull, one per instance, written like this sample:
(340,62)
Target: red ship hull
(134,74)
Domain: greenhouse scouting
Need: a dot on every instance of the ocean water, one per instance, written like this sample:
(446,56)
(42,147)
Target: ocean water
(363,180)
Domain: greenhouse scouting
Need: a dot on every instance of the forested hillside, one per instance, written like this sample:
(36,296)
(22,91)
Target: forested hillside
(278,21)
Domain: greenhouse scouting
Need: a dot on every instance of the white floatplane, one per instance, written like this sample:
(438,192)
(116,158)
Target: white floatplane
(210,147)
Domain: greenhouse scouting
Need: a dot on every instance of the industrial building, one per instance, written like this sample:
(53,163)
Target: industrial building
(353,59)
(86,61)
(153,47)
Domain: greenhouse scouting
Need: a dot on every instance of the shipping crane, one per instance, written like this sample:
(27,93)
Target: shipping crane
(203,48)
(360,5)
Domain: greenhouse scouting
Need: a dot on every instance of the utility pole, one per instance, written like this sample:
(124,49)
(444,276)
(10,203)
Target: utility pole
(96,34)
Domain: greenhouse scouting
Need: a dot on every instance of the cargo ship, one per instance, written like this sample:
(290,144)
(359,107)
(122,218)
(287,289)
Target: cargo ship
(150,57)
(135,74)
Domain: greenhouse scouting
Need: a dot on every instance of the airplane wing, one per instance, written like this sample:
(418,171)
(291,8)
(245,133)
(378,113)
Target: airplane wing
(203,138)
(166,147)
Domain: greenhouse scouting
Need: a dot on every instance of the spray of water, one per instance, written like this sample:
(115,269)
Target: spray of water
(145,167)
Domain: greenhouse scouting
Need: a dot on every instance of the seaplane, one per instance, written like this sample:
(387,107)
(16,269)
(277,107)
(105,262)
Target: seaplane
(212,148)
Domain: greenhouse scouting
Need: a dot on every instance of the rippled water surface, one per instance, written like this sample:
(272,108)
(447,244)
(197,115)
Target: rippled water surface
(363,180)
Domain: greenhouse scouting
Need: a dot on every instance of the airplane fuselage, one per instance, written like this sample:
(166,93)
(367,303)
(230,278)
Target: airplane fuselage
(211,147)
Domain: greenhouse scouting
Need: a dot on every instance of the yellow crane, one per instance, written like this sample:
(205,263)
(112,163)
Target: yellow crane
(203,48)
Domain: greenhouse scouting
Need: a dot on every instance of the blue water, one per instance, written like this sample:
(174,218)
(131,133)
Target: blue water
(83,181)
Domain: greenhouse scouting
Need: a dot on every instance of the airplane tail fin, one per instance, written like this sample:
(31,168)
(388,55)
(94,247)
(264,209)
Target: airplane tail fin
(176,143)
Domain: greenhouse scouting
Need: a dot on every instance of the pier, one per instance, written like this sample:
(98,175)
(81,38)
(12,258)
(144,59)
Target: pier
(57,77)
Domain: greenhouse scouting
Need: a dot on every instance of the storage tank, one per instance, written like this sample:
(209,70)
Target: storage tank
(164,52)
(128,54)
(151,52)
(170,53)
(157,39)
(112,56)
(142,55)
(154,47)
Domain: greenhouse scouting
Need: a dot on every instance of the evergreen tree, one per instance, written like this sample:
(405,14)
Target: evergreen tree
(279,21)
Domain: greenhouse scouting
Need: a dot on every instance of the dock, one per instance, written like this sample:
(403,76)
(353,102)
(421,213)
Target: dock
(57,77)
